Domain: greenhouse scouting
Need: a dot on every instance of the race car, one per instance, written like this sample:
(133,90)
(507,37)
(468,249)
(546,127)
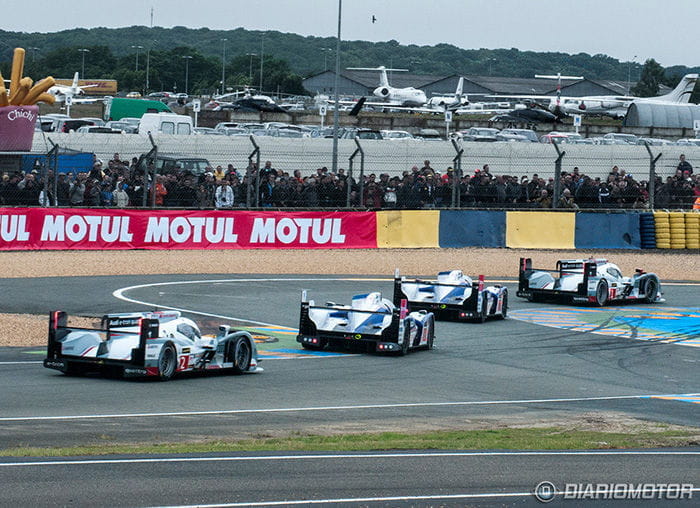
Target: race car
(370,322)
(158,344)
(453,296)
(595,281)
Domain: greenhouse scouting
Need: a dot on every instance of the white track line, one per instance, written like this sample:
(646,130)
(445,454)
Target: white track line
(336,456)
(335,408)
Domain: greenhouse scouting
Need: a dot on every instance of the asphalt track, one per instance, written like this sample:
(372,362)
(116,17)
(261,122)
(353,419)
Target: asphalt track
(510,371)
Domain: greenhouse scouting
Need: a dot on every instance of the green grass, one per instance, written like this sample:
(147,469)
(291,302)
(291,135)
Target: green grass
(552,438)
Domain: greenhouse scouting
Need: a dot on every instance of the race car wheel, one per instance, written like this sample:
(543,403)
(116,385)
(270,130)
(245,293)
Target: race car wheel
(167,362)
(406,340)
(504,307)
(241,353)
(651,288)
(601,293)
(431,333)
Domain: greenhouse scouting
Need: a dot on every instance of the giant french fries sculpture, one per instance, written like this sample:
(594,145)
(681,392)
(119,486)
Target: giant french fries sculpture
(21,92)
(18,109)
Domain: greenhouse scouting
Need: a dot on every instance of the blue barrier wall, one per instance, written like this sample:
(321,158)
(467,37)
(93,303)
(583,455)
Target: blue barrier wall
(607,231)
(472,228)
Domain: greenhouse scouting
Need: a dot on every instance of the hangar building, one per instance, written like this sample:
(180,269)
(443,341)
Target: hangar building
(673,116)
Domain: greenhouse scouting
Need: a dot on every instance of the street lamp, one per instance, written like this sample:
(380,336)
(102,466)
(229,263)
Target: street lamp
(148,65)
(325,57)
(337,97)
(187,70)
(491,60)
(223,66)
(250,70)
(82,71)
(629,74)
(33,50)
(137,56)
(262,57)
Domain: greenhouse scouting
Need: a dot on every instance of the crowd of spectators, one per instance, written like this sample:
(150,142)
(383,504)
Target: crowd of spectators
(120,184)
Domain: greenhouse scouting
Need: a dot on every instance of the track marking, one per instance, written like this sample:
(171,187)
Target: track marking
(339,408)
(336,456)
(21,363)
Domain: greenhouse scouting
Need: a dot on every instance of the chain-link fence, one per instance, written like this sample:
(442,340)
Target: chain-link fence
(407,173)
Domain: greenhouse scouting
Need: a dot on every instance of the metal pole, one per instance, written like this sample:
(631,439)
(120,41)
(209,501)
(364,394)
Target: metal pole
(262,57)
(651,188)
(362,173)
(557,175)
(223,67)
(456,175)
(187,71)
(335,91)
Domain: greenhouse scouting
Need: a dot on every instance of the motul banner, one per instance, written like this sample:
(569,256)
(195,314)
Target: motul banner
(60,229)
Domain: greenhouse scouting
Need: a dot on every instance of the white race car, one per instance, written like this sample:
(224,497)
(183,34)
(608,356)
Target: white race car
(587,280)
(159,344)
(370,322)
(453,296)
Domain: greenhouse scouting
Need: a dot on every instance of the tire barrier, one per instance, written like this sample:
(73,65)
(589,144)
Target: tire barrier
(692,230)
(677,229)
(663,230)
(647,231)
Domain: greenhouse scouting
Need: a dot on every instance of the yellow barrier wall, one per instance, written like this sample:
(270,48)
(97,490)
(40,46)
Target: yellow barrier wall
(540,230)
(408,228)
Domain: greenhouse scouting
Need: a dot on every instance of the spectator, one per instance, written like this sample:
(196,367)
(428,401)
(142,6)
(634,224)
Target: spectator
(567,200)
(224,195)
(77,192)
(121,198)
(684,165)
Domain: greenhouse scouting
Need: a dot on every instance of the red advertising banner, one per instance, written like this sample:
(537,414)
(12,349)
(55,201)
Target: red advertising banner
(77,228)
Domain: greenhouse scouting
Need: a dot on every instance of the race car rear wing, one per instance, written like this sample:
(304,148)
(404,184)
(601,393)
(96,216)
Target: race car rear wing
(473,302)
(307,327)
(588,268)
(59,331)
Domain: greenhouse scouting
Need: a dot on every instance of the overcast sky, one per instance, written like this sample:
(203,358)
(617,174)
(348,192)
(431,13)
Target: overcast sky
(666,30)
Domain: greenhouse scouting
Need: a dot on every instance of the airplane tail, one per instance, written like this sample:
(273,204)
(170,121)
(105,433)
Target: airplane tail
(681,94)
(460,87)
(383,80)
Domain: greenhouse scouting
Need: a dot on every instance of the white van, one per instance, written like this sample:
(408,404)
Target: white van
(165,123)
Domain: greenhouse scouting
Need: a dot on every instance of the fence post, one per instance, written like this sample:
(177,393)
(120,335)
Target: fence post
(351,164)
(361,180)
(52,155)
(651,188)
(457,175)
(557,175)
(256,153)
(154,176)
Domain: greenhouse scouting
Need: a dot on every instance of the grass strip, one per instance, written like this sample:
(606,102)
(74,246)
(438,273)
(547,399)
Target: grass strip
(550,438)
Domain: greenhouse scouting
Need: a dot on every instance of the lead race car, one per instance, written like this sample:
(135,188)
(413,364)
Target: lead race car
(453,296)
(594,281)
(159,344)
(370,322)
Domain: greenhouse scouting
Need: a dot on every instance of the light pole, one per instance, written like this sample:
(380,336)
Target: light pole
(335,89)
(262,57)
(325,57)
(250,70)
(137,55)
(148,65)
(223,66)
(629,74)
(82,71)
(33,50)
(491,60)
(187,59)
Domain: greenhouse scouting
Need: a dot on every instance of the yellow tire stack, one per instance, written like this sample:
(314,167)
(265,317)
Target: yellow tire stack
(677,229)
(663,230)
(692,230)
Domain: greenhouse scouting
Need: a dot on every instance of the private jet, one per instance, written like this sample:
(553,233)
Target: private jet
(61,92)
(392,96)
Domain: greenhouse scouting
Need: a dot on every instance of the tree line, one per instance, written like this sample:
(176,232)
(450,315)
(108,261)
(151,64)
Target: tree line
(288,58)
